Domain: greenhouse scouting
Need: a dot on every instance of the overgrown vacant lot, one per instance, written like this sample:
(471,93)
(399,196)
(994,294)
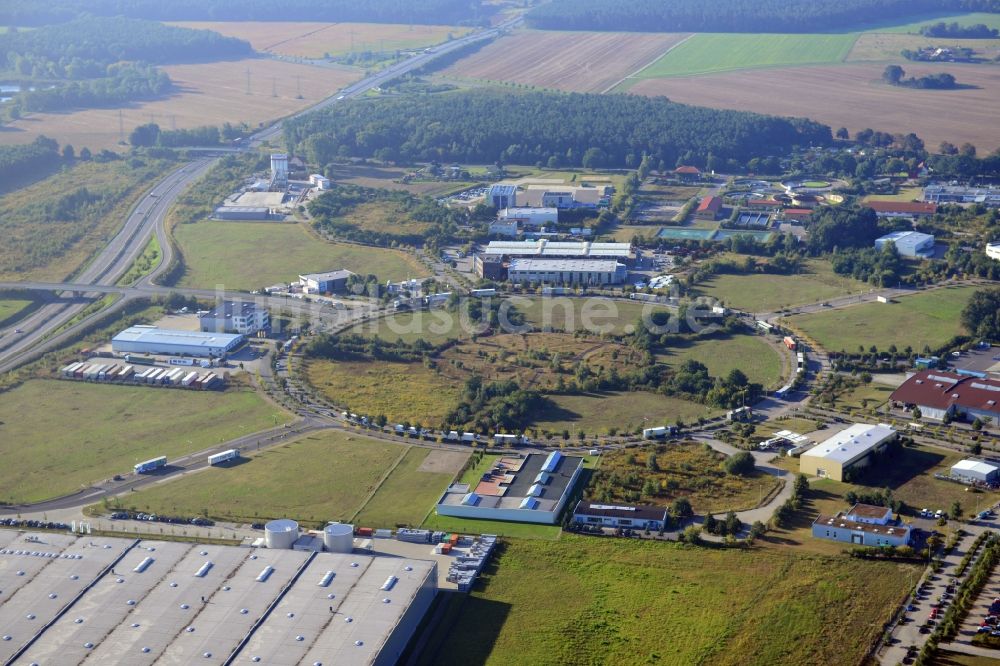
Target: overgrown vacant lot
(51,228)
(930,318)
(57,436)
(720,355)
(684,469)
(594,315)
(205,94)
(315,40)
(326,476)
(626,411)
(854,96)
(762,293)
(708,53)
(410,491)
(400,391)
(216,253)
(572,61)
(583,600)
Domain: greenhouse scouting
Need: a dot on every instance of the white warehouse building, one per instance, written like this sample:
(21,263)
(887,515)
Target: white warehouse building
(567,271)
(849,449)
(153,340)
(975,471)
(908,243)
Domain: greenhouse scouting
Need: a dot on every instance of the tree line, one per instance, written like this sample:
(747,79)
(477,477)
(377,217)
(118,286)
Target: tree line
(20,160)
(556,129)
(894,76)
(41,12)
(955,31)
(735,15)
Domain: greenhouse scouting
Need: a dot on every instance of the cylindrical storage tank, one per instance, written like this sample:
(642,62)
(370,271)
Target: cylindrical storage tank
(338,538)
(281,534)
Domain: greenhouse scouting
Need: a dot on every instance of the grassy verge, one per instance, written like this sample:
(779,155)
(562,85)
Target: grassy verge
(144,264)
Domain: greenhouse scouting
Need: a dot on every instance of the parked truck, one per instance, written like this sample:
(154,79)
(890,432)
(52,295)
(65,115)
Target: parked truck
(658,433)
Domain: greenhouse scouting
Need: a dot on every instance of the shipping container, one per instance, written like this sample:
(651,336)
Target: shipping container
(188,379)
(790,342)
(126,372)
(231,454)
(364,531)
(656,433)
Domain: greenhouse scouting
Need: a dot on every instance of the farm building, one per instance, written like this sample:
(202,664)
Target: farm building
(939,194)
(489,267)
(186,603)
(153,340)
(993,251)
(847,450)
(687,172)
(502,196)
(232,317)
(533,218)
(938,394)
(630,517)
(863,525)
(567,271)
(709,208)
(242,213)
(908,243)
(909,209)
(531,489)
(324,283)
(975,471)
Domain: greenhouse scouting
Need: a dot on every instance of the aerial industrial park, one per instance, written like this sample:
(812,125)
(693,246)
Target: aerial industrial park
(450,332)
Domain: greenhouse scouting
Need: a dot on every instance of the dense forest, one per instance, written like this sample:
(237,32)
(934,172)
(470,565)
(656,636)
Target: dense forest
(40,12)
(955,31)
(28,158)
(552,128)
(735,15)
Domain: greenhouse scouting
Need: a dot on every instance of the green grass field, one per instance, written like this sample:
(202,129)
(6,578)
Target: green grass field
(708,53)
(595,413)
(400,391)
(764,293)
(12,309)
(499,527)
(597,315)
(583,600)
(57,436)
(929,318)
(407,495)
(216,253)
(749,353)
(322,477)
(432,326)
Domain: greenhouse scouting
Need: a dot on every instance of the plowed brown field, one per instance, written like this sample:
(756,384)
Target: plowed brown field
(207,94)
(853,96)
(573,61)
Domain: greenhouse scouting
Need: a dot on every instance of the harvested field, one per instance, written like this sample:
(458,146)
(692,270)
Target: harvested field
(207,94)
(854,97)
(316,40)
(574,61)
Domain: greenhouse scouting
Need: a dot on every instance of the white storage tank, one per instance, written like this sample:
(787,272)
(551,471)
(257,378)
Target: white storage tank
(281,534)
(338,538)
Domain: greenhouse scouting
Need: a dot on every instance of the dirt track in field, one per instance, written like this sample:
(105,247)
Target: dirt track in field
(572,61)
(854,97)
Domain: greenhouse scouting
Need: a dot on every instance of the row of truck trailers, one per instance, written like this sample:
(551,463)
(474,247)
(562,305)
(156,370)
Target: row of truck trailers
(154,464)
(111,372)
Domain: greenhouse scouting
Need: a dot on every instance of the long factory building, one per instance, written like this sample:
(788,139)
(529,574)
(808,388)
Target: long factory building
(152,340)
(66,600)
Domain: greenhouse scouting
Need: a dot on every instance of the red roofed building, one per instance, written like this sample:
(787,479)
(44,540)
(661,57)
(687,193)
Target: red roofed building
(709,208)
(796,213)
(687,172)
(763,204)
(939,393)
(902,208)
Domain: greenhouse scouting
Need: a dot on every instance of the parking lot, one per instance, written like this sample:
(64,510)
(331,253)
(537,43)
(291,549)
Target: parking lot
(985,613)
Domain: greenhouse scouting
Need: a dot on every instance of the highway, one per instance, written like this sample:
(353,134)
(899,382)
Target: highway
(31,337)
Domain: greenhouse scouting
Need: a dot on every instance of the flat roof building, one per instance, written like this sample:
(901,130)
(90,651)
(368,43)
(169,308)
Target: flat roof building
(939,393)
(863,525)
(546,249)
(987,196)
(502,196)
(242,213)
(902,208)
(530,217)
(181,603)
(567,271)
(908,243)
(850,449)
(235,317)
(620,516)
(154,340)
(324,283)
(531,489)
(975,471)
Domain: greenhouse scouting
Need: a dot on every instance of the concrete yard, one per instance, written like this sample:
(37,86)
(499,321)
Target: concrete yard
(65,606)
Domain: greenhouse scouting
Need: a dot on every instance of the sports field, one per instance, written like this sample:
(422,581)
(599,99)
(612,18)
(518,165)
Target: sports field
(588,600)
(410,491)
(930,318)
(596,413)
(709,53)
(748,353)
(768,293)
(206,94)
(400,391)
(322,477)
(318,40)
(572,61)
(93,431)
(215,253)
